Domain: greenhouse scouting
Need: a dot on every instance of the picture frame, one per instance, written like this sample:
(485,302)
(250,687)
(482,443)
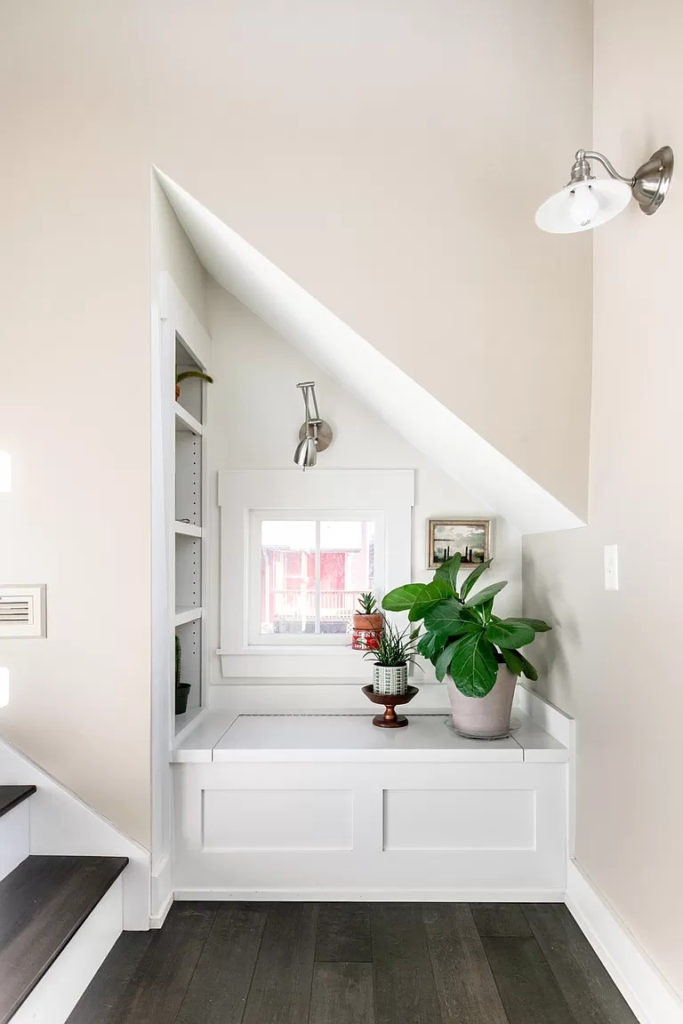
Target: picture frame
(445,537)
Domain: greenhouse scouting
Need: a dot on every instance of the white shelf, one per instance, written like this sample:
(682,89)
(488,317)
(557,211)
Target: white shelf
(184,421)
(183,615)
(187,529)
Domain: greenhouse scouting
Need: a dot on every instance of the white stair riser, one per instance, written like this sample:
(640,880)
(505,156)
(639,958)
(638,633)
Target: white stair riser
(14,838)
(58,991)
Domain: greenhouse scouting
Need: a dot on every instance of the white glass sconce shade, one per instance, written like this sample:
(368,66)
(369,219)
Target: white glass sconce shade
(583,205)
(5,472)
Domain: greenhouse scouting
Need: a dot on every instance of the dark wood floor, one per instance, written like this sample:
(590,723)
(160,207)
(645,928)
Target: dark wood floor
(355,963)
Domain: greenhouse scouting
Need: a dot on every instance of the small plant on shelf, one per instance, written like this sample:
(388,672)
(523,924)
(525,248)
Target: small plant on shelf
(392,651)
(367,622)
(367,604)
(180,377)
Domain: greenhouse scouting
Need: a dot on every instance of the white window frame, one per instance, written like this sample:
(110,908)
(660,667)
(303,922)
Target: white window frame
(386,496)
(304,641)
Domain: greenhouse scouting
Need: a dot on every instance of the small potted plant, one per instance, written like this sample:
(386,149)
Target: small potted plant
(392,651)
(477,652)
(182,690)
(190,373)
(367,622)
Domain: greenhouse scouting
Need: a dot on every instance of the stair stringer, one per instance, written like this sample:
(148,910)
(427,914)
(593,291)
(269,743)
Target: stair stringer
(60,823)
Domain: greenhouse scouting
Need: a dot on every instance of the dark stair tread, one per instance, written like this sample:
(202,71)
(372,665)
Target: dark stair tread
(10,796)
(43,903)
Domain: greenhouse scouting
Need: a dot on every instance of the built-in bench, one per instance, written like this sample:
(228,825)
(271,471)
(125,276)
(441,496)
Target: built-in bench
(325,806)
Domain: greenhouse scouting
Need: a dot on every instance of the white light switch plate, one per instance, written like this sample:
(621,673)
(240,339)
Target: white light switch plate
(611,567)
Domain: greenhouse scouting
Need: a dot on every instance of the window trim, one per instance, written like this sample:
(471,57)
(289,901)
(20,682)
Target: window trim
(391,492)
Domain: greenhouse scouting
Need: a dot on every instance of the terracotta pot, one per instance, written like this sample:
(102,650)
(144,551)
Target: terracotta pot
(391,681)
(484,718)
(367,622)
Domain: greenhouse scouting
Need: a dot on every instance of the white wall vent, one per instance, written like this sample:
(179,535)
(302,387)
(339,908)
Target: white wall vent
(22,611)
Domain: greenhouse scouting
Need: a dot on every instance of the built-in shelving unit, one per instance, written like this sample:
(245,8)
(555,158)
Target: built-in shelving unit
(187,527)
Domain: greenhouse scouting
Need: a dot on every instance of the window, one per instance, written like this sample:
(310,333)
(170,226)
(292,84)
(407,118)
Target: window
(306,574)
(295,551)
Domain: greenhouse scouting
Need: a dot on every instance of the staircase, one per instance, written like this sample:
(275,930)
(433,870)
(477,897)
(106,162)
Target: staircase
(59,917)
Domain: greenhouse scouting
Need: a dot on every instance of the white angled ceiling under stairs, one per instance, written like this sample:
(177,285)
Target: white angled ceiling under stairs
(410,410)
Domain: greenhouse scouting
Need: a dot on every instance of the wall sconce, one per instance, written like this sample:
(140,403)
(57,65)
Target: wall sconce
(315,435)
(587,201)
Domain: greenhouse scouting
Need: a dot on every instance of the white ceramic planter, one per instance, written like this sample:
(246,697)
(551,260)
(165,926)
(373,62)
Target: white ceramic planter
(390,682)
(484,718)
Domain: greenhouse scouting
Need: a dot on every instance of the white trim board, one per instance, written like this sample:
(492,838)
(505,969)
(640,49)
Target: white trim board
(374,895)
(641,984)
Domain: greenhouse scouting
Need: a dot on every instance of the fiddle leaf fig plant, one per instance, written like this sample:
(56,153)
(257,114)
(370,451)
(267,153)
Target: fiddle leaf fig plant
(462,635)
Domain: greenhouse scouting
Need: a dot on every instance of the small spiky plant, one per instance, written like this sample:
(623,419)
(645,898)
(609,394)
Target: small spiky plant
(367,605)
(393,647)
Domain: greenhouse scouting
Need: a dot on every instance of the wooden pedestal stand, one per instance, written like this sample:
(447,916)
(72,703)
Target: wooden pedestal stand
(389,720)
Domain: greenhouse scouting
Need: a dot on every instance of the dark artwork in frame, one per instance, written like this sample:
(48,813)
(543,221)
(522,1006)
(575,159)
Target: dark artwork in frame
(471,538)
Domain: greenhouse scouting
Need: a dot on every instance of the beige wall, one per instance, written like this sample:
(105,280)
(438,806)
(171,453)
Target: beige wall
(614,660)
(387,156)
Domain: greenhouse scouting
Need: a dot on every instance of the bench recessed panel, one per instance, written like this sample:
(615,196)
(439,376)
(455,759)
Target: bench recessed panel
(454,819)
(277,819)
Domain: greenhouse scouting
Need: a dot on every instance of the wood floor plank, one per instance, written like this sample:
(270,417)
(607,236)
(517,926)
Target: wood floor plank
(465,986)
(343,933)
(403,977)
(588,989)
(158,985)
(217,993)
(505,920)
(281,985)
(106,990)
(527,986)
(342,994)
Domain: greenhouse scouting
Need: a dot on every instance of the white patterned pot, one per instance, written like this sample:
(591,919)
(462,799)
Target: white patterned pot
(484,718)
(390,681)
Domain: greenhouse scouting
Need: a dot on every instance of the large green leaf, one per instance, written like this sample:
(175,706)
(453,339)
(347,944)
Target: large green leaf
(443,661)
(402,598)
(518,664)
(473,577)
(449,571)
(432,593)
(474,666)
(538,625)
(430,643)
(508,634)
(451,618)
(485,594)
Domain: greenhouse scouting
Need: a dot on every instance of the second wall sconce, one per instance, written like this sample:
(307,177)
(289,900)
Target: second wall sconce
(315,435)
(586,201)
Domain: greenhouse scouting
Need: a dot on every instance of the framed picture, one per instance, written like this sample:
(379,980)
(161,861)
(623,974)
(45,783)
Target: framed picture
(447,537)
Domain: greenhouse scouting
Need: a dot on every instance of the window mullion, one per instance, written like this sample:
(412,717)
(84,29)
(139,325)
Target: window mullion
(318,629)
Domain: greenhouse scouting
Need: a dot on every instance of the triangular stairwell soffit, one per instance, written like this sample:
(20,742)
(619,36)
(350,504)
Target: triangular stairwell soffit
(411,411)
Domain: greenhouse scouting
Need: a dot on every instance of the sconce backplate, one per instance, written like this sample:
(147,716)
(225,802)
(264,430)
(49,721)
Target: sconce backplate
(324,435)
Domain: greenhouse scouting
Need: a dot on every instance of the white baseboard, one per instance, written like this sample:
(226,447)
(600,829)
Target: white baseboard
(375,895)
(60,988)
(636,977)
(161,893)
